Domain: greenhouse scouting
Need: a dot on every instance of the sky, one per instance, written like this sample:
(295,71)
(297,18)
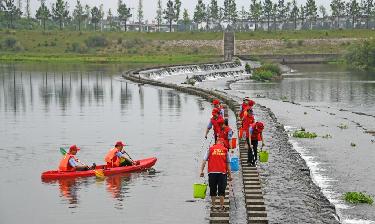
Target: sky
(150,5)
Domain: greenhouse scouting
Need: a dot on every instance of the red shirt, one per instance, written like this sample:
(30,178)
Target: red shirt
(247,121)
(255,133)
(216,123)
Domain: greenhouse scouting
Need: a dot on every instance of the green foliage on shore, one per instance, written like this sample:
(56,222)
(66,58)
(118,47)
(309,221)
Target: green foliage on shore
(266,72)
(358,197)
(304,134)
(362,55)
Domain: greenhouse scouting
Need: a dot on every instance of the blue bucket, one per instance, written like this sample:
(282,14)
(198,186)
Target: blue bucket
(234,164)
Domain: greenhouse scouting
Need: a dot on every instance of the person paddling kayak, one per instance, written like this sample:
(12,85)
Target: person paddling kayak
(256,135)
(115,155)
(215,122)
(219,172)
(70,163)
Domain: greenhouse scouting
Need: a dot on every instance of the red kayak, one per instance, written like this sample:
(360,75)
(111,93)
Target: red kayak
(141,165)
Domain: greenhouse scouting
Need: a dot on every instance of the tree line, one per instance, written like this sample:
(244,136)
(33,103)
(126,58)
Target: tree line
(259,15)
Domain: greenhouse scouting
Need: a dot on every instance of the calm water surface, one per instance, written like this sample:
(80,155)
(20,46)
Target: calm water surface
(44,107)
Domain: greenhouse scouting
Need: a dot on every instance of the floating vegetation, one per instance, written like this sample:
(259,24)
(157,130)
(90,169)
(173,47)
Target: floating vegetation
(343,126)
(353,144)
(284,98)
(327,136)
(358,197)
(304,134)
(304,113)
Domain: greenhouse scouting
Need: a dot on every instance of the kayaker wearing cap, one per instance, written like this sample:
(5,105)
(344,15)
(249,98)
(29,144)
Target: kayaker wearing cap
(226,133)
(256,135)
(114,156)
(215,122)
(216,103)
(71,163)
(219,172)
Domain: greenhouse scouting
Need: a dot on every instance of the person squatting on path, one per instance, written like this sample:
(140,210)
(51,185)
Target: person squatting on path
(219,172)
(115,155)
(256,135)
(70,163)
(226,133)
(215,122)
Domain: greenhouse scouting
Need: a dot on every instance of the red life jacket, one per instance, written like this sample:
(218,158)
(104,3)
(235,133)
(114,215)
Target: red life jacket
(64,163)
(217,159)
(111,158)
(224,135)
(216,123)
(256,135)
(246,122)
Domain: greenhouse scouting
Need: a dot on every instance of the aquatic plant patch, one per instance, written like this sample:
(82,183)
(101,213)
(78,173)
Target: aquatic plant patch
(343,126)
(304,134)
(358,197)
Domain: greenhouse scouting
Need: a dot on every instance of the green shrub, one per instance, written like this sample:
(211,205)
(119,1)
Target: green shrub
(78,48)
(262,75)
(300,42)
(9,42)
(343,126)
(362,55)
(304,134)
(289,44)
(273,68)
(358,197)
(247,68)
(96,41)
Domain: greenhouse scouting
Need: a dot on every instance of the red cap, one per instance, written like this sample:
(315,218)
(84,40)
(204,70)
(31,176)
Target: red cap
(74,147)
(216,102)
(119,143)
(215,111)
(260,126)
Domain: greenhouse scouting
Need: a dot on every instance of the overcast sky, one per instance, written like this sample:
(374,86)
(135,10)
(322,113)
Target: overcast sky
(150,5)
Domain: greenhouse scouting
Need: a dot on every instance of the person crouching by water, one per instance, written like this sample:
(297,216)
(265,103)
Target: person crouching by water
(256,135)
(215,122)
(219,172)
(71,163)
(115,155)
(226,133)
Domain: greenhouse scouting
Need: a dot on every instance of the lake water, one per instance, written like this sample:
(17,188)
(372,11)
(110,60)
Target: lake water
(44,107)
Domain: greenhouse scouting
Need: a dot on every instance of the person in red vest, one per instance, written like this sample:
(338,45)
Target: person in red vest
(226,133)
(214,123)
(114,156)
(246,104)
(71,163)
(216,103)
(247,121)
(219,172)
(256,135)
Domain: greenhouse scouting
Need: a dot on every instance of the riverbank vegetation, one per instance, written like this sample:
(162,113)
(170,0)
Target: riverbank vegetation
(362,55)
(358,197)
(266,72)
(304,134)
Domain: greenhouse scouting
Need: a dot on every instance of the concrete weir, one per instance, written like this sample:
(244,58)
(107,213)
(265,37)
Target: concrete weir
(255,206)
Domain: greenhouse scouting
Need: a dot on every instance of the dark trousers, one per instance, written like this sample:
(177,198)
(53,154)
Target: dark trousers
(217,183)
(126,163)
(252,155)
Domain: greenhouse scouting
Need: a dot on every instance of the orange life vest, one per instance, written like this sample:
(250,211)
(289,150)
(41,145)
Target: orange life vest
(64,163)
(111,158)
(217,159)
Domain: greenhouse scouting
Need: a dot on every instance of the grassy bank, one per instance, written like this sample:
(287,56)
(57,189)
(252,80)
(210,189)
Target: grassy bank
(166,48)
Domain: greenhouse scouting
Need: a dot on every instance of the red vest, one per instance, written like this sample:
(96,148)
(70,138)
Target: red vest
(224,135)
(216,124)
(245,107)
(256,135)
(112,159)
(217,159)
(246,122)
(64,163)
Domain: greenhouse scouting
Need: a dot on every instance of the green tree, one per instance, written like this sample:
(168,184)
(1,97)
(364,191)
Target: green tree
(199,13)
(11,12)
(214,9)
(140,15)
(169,14)
(281,11)
(302,15)
(177,10)
(367,8)
(186,18)
(78,14)
(230,11)
(274,16)
(110,18)
(28,10)
(60,12)
(294,14)
(159,14)
(267,10)
(255,12)
(96,16)
(87,15)
(337,8)
(123,13)
(311,12)
(207,17)
(43,14)
(353,11)
(244,16)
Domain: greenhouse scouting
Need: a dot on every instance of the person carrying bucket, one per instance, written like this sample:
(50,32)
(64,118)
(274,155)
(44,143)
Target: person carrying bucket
(214,123)
(216,103)
(226,133)
(70,163)
(256,135)
(115,155)
(247,121)
(219,172)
